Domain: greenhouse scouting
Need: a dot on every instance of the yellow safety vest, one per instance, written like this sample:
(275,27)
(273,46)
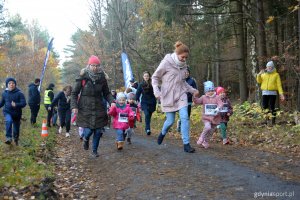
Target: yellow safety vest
(47,100)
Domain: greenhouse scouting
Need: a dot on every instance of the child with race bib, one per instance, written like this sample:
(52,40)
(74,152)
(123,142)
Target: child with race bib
(210,115)
(225,112)
(137,116)
(122,114)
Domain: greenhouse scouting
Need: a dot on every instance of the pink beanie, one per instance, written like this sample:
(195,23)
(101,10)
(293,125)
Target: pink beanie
(94,60)
(219,90)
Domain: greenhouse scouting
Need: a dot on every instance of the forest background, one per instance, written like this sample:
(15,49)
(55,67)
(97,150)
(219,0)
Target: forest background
(230,41)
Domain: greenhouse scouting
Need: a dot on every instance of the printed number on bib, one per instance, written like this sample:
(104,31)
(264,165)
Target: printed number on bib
(224,108)
(123,117)
(210,109)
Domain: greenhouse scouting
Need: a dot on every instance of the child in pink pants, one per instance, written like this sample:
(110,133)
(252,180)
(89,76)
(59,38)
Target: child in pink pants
(210,114)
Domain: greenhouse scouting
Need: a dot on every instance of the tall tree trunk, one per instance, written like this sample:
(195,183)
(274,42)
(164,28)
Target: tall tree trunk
(241,54)
(298,92)
(217,50)
(261,36)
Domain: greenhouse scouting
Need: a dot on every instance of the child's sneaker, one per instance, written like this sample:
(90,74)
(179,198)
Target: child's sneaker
(85,144)
(148,132)
(120,145)
(8,141)
(200,140)
(205,144)
(225,141)
(60,130)
(94,154)
(129,140)
(16,142)
(67,134)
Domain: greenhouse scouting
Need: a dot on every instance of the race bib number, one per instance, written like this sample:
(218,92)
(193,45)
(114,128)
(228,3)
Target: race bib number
(224,109)
(209,109)
(134,110)
(123,117)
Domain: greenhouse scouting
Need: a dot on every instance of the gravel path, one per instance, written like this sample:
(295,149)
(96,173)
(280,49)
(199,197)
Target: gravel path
(145,170)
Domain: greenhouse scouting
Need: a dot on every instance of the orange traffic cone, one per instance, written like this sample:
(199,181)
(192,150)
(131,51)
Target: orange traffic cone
(44,129)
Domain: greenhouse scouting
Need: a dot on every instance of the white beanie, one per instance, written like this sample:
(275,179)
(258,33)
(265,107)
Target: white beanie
(208,86)
(270,64)
(121,95)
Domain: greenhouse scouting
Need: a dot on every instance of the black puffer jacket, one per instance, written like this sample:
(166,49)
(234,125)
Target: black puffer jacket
(91,111)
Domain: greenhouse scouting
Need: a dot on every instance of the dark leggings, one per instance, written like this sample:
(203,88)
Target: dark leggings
(49,116)
(65,119)
(34,113)
(268,102)
(148,115)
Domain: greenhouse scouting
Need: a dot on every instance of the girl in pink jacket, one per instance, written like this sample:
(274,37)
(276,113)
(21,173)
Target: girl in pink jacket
(122,114)
(210,114)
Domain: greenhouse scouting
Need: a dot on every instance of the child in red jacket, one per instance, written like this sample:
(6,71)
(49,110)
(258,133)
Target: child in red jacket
(122,114)
(225,112)
(137,116)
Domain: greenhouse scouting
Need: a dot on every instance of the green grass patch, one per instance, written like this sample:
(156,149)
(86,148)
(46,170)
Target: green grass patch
(28,163)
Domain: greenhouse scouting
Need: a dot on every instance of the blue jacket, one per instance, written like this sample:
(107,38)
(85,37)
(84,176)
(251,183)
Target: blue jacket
(192,83)
(34,97)
(62,102)
(18,97)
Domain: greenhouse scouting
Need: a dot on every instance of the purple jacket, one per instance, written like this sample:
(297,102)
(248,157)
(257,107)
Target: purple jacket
(173,88)
(207,101)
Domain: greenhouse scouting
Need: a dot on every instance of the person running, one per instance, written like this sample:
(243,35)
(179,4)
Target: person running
(145,96)
(170,87)
(191,81)
(13,101)
(137,116)
(122,114)
(225,112)
(34,100)
(91,113)
(62,99)
(48,98)
(210,114)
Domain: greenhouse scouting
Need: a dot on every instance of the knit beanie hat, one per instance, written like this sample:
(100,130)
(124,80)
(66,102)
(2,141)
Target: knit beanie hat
(51,86)
(94,60)
(121,95)
(270,64)
(219,90)
(131,95)
(10,79)
(208,86)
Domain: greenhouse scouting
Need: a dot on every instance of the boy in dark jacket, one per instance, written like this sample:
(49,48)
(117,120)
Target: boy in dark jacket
(34,100)
(13,101)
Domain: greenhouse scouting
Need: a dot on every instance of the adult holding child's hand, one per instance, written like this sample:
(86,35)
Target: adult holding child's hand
(271,86)
(171,88)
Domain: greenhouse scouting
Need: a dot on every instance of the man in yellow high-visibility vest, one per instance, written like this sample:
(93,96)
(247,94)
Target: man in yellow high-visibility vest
(48,98)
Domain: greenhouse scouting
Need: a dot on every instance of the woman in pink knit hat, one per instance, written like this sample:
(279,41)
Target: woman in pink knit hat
(91,112)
